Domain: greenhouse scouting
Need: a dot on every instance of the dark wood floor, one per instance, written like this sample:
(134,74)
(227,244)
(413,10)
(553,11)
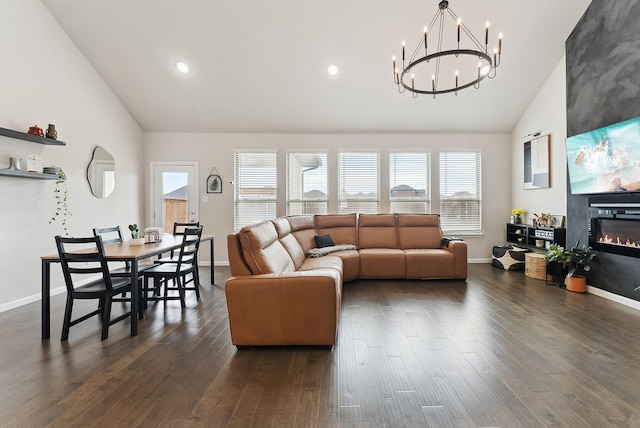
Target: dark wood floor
(500,350)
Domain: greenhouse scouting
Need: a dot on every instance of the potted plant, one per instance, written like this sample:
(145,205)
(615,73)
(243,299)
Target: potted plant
(557,258)
(135,235)
(580,258)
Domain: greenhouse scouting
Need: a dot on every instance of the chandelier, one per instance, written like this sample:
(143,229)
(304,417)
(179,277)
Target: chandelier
(433,70)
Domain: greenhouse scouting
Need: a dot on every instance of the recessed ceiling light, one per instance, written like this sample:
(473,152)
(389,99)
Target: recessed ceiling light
(182,67)
(333,69)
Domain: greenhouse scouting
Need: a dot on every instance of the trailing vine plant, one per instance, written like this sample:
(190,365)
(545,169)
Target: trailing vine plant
(62,208)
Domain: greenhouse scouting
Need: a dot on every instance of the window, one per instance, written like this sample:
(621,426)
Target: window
(409,182)
(307,183)
(358,182)
(460,198)
(255,187)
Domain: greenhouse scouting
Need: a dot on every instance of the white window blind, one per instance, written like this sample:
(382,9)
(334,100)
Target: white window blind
(307,188)
(358,182)
(409,182)
(460,196)
(255,187)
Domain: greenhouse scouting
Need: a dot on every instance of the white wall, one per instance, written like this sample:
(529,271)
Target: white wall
(547,114)
(45,79)
(211,150)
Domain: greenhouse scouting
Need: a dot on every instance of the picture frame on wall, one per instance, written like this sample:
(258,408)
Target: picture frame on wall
(214,182)
(557,221)
(536,163)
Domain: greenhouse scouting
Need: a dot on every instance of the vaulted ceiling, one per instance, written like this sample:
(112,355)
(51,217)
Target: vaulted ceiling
(261,66)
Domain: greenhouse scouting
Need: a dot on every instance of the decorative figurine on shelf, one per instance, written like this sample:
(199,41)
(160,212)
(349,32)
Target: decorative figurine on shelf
(36,130)
(51,132)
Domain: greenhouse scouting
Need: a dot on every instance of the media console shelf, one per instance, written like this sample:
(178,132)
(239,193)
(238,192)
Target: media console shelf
(526,235)
(33,139)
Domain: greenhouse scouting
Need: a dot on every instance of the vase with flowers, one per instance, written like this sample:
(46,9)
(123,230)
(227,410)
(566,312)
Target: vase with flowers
(517,215)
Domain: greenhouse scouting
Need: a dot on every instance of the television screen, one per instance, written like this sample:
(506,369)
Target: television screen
(605,160)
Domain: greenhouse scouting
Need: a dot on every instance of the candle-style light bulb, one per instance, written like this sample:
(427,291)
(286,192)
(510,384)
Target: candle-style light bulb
(500,44)
(394,64)
(486,35)
(495,55)
(459,25)
(425,38)
(433,82)
(413,83)
(479,66)
(403,45)
(457,78)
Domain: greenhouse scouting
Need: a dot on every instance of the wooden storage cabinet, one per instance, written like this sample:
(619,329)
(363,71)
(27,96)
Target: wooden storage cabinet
(526,235)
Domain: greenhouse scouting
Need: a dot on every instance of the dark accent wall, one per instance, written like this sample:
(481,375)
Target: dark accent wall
(603,87)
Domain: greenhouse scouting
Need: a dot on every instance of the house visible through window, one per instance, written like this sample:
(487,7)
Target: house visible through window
(409,182)
(255,188)
(460,196)
(307,188)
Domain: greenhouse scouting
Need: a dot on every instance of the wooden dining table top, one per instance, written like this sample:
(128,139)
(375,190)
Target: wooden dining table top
(126,251)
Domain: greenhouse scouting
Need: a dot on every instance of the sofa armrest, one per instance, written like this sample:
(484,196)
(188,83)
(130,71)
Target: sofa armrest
(459,250)
(296,308)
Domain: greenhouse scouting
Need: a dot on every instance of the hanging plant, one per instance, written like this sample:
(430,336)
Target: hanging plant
(62,208)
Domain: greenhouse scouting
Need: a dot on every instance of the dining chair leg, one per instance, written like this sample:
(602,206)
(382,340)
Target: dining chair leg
(106,317)
(66,324)
(181,292)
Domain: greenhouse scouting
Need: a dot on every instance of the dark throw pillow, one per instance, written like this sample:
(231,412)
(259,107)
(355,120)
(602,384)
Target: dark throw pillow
(323,241)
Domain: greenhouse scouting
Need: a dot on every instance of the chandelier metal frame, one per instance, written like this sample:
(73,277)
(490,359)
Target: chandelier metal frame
(486,64)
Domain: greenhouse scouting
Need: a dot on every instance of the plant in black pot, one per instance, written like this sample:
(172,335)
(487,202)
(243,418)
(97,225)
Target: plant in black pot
(580,258)
(557,258)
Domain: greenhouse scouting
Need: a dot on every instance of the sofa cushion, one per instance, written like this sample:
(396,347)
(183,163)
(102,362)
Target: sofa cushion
(323,241)
(377,231)
(341,227)
(262,250)
(382,263)
(419,231)
(429,263)
(303,228)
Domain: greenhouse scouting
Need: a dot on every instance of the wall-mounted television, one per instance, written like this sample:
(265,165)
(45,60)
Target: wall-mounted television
(605,160)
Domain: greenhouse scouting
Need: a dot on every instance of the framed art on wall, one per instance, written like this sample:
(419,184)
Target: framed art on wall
(536,163)
(214,182)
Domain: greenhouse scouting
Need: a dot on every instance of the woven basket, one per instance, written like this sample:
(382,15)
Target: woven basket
(535,266)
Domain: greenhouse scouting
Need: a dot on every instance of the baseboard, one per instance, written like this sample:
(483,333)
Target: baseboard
(614,297)
(29,299)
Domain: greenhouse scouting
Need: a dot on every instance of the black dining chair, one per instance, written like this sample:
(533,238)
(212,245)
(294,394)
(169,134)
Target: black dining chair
(87,276)
(113,235)
(178,230)
(177,271)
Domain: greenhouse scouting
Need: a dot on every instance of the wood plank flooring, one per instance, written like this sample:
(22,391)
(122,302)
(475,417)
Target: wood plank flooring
(501,350)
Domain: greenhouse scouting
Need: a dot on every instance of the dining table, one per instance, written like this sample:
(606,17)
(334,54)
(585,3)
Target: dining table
(119,252)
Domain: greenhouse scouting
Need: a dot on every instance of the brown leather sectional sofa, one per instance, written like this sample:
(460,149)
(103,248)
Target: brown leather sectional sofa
(277,295)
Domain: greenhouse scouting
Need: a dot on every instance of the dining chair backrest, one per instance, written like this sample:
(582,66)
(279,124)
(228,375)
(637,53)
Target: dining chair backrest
(110,235)
(82,256)
(189,247)
(178,228)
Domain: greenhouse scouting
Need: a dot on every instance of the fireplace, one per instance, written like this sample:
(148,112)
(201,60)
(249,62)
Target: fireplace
(615,225)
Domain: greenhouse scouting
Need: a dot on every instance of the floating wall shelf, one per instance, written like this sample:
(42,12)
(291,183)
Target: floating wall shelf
(32,138)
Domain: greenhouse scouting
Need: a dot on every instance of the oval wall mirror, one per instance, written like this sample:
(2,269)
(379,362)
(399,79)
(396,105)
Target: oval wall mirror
(101,173)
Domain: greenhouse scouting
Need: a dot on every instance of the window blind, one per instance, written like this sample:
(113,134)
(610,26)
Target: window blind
(460,196)
(409,182)
(255,188)
(307,187)
(358,182)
